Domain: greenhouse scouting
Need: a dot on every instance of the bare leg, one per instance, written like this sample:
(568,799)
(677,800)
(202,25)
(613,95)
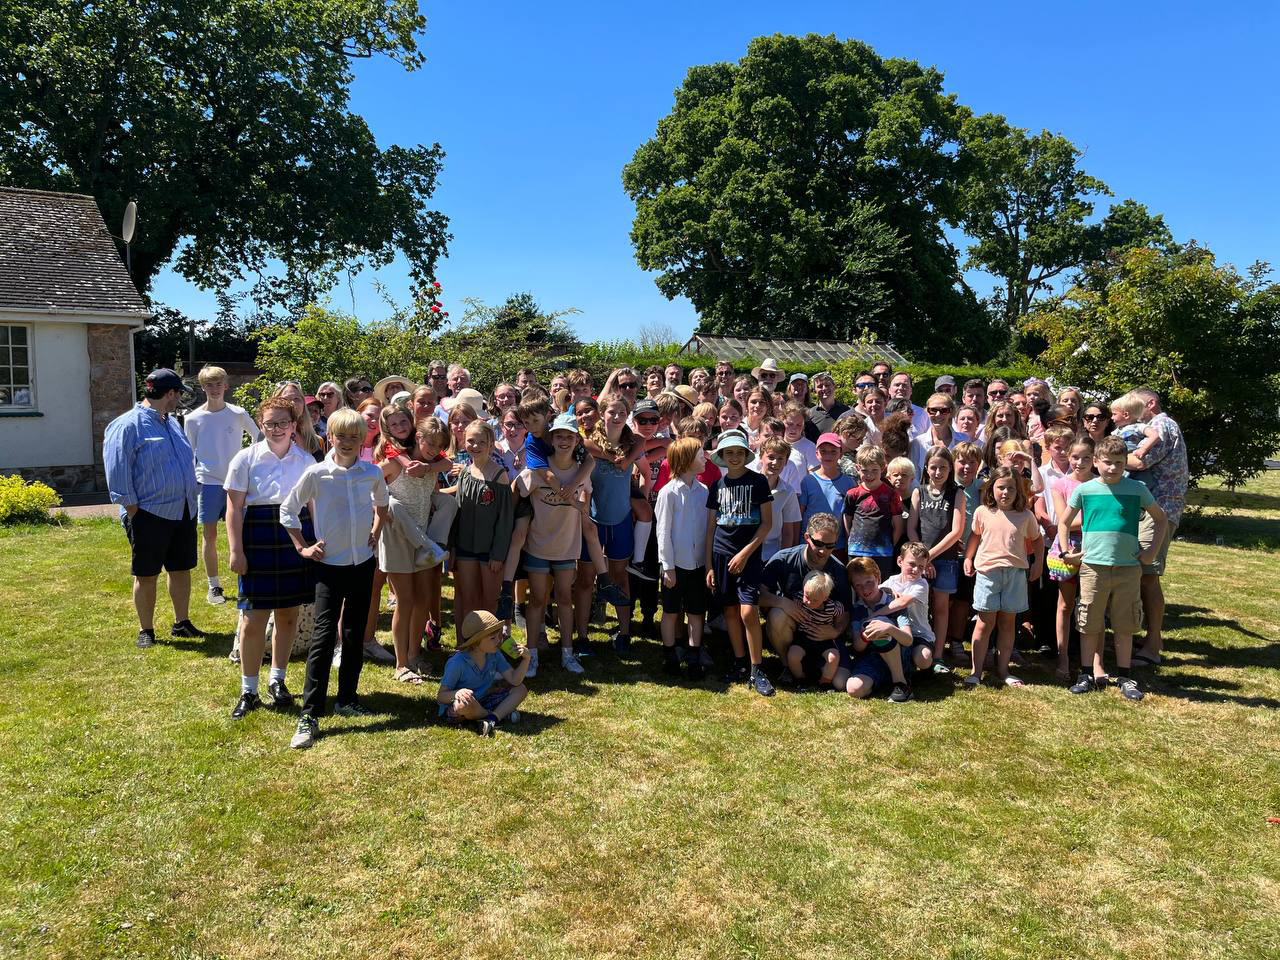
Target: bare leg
(539,594)
(1153,610)
(981,635)
(209,548)
(253,637)
(564,606)
(583,584)
(751,626)
(1007,626)
(618,574)
(695,632)
(466,590)
(144,601)
(400,617)
(940,607)
(893,660)
(282,638)
(180,595)
(375,606)
(733,626)
(1066,607)
(420,608)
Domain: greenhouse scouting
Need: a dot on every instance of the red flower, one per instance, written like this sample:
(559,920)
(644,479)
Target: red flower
(436,285)
(435,308)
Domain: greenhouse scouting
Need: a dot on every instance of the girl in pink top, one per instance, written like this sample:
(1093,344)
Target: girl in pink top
(1004,531)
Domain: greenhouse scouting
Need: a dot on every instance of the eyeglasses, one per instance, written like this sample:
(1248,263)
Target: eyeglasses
(1096,416)
(326,394)
(938,410)
(822,544)
(277,424)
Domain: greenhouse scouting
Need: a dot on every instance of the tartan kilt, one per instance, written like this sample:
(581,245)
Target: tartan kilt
(277,575)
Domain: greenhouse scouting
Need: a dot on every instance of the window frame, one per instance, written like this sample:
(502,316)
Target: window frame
(30,406)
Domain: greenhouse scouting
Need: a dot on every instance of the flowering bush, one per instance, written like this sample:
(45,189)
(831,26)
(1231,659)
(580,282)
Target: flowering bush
(22,502)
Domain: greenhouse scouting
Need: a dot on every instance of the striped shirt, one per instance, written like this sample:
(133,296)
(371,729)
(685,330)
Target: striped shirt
(149,464)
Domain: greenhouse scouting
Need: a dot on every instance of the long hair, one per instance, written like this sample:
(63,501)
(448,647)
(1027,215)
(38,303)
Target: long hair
(387,445)
(989,489)
(600,434)
(304,434)
(939,450)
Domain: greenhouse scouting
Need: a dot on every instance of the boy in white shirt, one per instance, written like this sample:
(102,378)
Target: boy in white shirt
(216,433)
(679,519)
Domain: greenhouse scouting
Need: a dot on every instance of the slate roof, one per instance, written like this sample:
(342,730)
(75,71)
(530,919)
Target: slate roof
(56,254)
(805,352)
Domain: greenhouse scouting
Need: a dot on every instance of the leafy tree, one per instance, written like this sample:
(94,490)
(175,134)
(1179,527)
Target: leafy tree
(1025,203)
(1197,333)
(229,122)
(494,342)
(801,192)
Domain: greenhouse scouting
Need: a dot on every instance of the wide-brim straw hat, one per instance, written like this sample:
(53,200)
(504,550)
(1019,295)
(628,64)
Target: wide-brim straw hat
(380,388)
(477,625)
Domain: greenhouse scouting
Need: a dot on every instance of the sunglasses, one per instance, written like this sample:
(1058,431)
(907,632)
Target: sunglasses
(363,388)
(439,376)
(647,421)
(1097,416)
(628,386)
(939,410)
(865,384)
(822,544)
(997,393)
(325,394)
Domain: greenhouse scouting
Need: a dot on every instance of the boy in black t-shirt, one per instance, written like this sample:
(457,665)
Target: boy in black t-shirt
(739,516)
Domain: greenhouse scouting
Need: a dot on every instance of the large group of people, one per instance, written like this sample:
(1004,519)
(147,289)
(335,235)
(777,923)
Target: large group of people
(863,539)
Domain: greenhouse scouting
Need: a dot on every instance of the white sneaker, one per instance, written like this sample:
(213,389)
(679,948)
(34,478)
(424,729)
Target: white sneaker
(337,656)
(215,597)
(533,665)
(569,660)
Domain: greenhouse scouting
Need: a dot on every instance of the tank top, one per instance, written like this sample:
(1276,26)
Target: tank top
(415,493)
(937,512)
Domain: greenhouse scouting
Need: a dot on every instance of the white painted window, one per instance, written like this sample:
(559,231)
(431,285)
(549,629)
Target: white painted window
(16,364)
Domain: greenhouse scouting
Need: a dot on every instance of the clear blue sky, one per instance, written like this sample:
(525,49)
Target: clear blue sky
(539,106)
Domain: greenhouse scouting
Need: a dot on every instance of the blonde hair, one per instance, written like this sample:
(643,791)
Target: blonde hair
(1129,403)
(304,434)
(870,457)
(901,466)
(681,455)
(818,582)
(345,420)
(210,374)
(434,430)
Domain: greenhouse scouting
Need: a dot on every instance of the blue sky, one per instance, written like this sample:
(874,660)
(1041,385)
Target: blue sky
(539,106)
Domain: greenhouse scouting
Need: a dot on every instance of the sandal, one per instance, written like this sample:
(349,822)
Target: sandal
(405,675)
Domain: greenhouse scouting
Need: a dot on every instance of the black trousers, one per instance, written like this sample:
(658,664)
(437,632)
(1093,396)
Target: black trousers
(341,593)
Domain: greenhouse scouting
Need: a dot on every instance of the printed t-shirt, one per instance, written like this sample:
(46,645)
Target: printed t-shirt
(736,502)
(1003,538)
(1109,515)
(871,523)
(462,673)
(556,530)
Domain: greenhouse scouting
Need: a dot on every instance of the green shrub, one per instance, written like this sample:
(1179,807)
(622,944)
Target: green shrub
(22,502)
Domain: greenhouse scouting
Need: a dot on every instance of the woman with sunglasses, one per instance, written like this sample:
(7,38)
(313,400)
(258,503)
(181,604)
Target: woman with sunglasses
(331,398)
(356,390)
(1096,421)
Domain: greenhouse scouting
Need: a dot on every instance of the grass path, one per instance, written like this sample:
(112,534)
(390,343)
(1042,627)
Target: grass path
(627,818)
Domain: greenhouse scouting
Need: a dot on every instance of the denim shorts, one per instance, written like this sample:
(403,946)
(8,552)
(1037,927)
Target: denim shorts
(534,564)
(871,665)
(1002,590)
(460,555)
(211,503)
(947,568)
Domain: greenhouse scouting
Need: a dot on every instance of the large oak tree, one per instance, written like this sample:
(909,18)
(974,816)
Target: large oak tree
(229,122)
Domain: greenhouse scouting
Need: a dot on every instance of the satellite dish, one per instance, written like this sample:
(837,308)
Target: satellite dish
(130,222)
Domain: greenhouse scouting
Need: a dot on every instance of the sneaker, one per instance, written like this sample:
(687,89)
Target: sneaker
(696,670)
(533,665)
(582,647)
(280,695)
(941,667)
(760,683)
(307,734)
(486,726)
(670,662)
(612,594)
(1129,687)
(337,657)
(375,652)
(215,597)
(351,710)
(901,693)
(147,638)
(635,571)
(740,672)
(234,655)
(248,701)
(1086,683)
(569,661)
(506,605)
(621,642)
(185,628)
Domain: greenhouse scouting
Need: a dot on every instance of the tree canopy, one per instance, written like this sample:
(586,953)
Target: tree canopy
(1197,333)
(803,191)
(229,122)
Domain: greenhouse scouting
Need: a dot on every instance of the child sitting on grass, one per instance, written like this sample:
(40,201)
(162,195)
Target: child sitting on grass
(909,609)
(881,650)
(469,689)
(809,659)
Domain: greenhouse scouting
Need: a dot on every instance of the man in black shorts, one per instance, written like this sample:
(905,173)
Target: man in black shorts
(151,475)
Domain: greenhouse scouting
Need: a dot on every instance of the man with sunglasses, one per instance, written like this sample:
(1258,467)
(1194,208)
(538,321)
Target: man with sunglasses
(724,381)
(997,390)
(782,587)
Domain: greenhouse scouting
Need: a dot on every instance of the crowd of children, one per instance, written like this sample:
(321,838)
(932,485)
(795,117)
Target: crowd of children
(877,535)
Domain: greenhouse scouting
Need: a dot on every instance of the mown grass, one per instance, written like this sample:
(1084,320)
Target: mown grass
(626,817)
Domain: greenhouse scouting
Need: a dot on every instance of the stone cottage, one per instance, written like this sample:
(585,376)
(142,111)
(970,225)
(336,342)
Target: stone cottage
(68,312)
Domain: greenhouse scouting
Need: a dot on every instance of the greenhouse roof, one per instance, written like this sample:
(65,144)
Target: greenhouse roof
(805,352)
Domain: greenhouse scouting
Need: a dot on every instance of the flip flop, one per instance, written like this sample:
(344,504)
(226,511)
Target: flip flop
(405,675)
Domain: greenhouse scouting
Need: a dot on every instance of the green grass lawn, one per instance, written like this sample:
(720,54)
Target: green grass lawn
(625,817)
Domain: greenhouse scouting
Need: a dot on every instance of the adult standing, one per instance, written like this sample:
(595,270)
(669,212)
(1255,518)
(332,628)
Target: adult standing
(782,585)
(768,374)
(940,409)
(1167,478)
(975,395)
(1096,421)
(822,416)
(724,381)
(900,387)
(151,474)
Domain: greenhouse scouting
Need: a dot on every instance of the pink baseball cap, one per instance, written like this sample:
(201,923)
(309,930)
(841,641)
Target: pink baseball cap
(832,438)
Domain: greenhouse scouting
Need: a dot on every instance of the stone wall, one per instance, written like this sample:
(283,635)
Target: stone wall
(67,480)
(111,386)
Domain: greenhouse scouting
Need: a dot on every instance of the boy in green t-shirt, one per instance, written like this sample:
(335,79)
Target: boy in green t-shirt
(1110,572)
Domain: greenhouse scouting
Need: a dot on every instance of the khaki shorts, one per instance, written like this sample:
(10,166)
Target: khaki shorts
(1147,536)
(1109,590)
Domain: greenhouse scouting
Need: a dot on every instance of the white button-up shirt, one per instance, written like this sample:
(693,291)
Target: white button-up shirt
(343,499)
(262,476)
(680,516)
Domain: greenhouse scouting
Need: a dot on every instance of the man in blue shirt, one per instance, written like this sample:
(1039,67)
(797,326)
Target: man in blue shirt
(151,475)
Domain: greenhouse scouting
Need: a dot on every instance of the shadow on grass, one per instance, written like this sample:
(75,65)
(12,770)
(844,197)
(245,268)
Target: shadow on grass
(1229,499)
(1252,533)
(395,711)
(1202,689)
(1178,616)
(212,644)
